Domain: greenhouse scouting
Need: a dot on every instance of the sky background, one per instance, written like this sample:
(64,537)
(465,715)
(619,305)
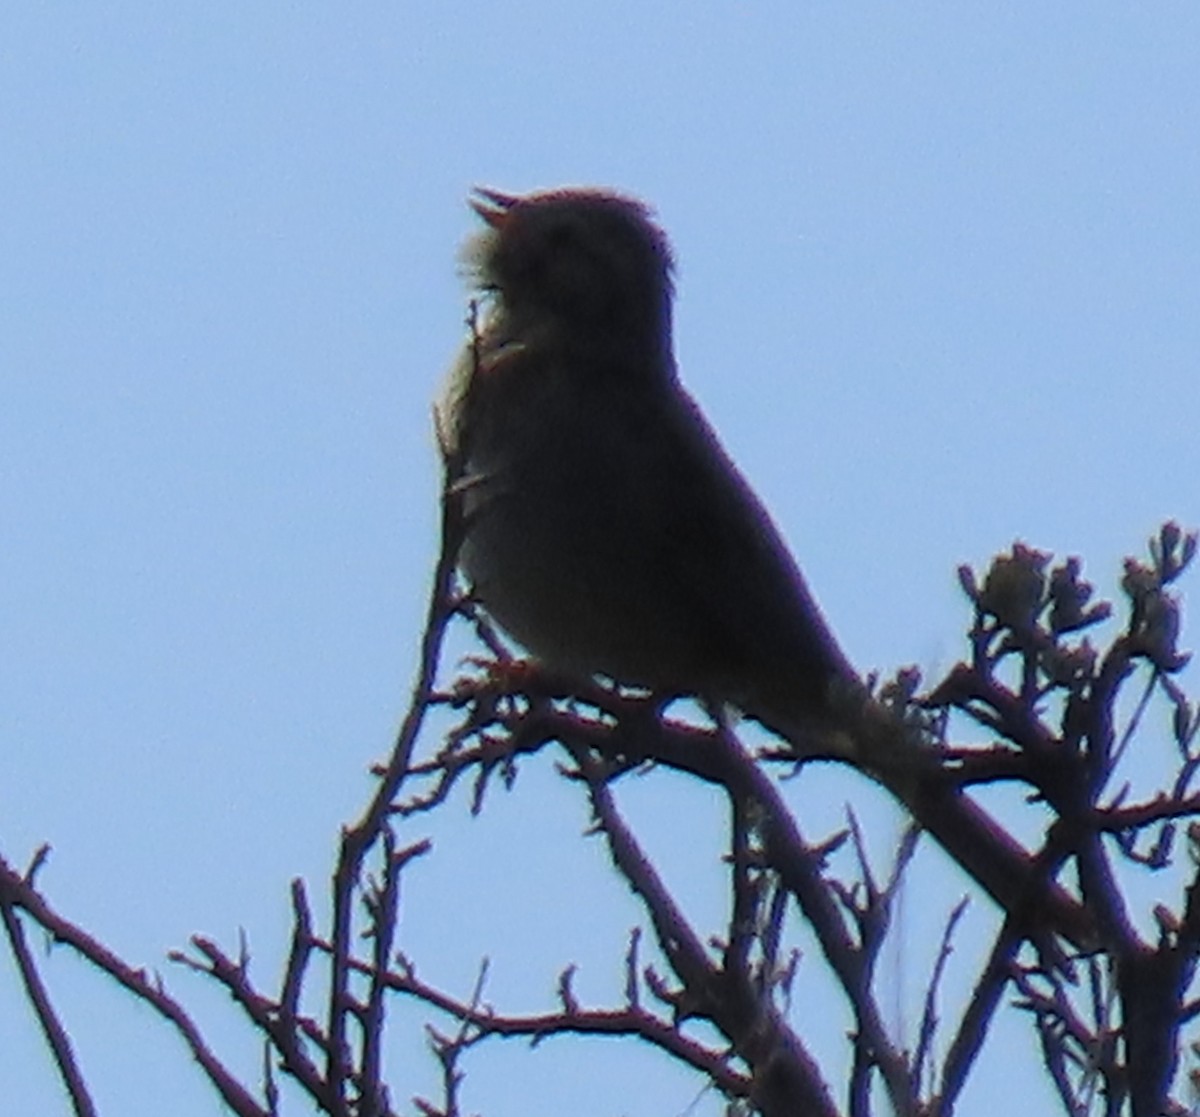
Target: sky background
(939,289)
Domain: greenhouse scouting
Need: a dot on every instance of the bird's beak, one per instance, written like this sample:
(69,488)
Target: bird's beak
(493,206)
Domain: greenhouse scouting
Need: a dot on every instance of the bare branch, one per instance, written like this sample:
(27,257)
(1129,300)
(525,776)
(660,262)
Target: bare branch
(16,893)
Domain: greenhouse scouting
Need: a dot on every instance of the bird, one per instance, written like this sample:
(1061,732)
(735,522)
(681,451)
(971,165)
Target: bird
(609,533)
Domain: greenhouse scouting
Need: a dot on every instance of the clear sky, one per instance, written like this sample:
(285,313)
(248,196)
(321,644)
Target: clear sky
(939,289)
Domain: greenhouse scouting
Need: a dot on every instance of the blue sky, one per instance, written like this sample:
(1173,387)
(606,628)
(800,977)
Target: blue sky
(939,287)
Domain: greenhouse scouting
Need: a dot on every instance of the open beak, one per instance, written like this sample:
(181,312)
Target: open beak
(492,205)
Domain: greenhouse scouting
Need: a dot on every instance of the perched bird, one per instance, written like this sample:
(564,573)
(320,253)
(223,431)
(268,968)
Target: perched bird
(608,532)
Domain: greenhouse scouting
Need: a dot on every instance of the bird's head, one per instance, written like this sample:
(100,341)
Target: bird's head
(587,263)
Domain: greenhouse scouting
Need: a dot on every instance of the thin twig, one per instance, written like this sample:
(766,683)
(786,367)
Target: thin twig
(14,892)
(39,997)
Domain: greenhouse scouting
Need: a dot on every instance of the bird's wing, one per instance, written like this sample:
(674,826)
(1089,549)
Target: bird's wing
(724,573)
